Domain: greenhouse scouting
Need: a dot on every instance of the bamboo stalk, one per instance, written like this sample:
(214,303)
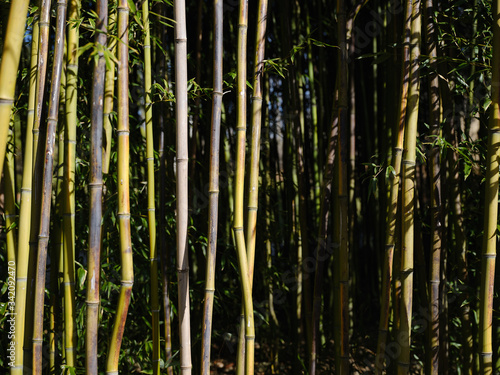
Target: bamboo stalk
(394,182)
(213,188)
(11,54)
(10,203)
(108,96)
(342,341)
(69,185)
(43,237)
(153,254)
(181,114)
(23,249)
(96,192)
(490,209)
(408,191)
(127,271)
(435,191)
(239,192)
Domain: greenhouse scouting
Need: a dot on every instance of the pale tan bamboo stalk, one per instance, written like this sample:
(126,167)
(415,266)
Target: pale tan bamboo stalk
(127,271)
(213,189)
(96,188)
(408,191)
(181,115)
(46,200)
(485,345)
(153,253)
(25,212)
(11,54)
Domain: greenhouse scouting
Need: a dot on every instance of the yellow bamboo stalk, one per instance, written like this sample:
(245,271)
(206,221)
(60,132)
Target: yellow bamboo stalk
(11,54)
(490,209)
(127,271)
(239,191)
(394,183)
(25,213)
(43,237)
(10,202)
(408,191)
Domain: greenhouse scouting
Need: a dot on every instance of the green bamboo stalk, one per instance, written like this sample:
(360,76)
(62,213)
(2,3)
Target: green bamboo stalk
(11,54)
(490,209)
(43,237)
(108,96)
(23,248)
(213,188)
(69,184)
(10,202)
(153,254)
(96,192)
(127,271)
(408,191)
(394,183)
(253,188)
(181,114)
(239,192)
(435,191)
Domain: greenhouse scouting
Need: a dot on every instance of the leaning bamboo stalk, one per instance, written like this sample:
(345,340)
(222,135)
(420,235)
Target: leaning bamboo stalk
(43,237)
(96,188)
(213,189)
(181,115)
(38,156)
(490,210)
(394,184)
(153,254)
(127,271)
(25,213)
(408,191)
(13,41)
(69,185)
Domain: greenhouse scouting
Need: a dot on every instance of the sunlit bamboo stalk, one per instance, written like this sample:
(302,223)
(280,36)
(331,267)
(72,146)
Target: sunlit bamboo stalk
(11,54)
(408,191)
(96,188)
(127,271)
(239,191)
(485,345)
(10,203)
(46,200)
(394,183)
(213,189)
(23,248)
(181,115)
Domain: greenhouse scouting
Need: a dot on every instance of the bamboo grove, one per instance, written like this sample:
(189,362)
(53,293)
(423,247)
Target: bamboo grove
(249,187)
